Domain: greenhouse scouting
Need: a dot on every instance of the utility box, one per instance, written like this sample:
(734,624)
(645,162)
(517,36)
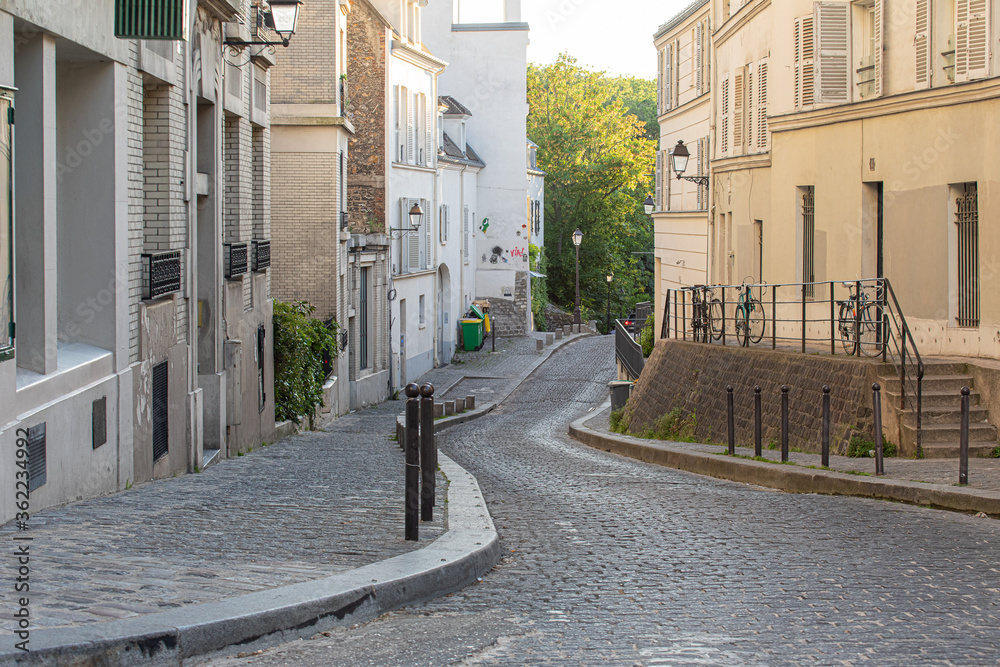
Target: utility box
(472,333)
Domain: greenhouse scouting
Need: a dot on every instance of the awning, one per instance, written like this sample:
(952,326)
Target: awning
(535,274)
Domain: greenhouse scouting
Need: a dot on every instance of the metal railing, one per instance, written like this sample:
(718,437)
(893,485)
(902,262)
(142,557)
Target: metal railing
(857,318)
(627,351)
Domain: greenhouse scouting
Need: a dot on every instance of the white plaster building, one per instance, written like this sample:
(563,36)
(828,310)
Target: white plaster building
(140,213)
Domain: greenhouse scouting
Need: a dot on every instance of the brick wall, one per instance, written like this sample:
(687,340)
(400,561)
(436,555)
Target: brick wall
(694,376)
(136,197)
(306,71)
(367,107)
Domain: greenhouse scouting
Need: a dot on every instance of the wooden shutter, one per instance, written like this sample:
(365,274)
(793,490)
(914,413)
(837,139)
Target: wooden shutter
(666,180)
(922,44)
(659,81)
(150,19)
(412,262)
(700,157)
(804,62)
(699,45)
(430,153)
(739,94)
(751,106)
(877,36)
(972,38)
(706,77)
(676,67)
(832,21)
(428,237)
(725,115)
(668,76)
(465,232)
(659,177)
(409,125)
(762,104)
(398,107)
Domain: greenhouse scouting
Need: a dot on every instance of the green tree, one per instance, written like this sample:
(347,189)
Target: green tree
(598,160)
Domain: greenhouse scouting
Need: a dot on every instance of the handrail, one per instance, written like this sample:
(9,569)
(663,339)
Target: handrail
(806,315)
(627,351)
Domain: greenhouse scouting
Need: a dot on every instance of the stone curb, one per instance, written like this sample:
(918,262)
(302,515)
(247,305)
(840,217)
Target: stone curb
(793,479)
(459,557)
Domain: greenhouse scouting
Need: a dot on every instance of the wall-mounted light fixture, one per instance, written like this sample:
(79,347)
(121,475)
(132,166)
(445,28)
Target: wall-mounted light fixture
(281,16)
(416,217)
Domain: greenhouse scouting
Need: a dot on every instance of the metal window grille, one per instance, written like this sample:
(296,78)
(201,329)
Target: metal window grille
(99,421)
(161,274)
(967,220)
(809,240)
(363,320)
(150,19)
(36,456)
(261,255)
(160,410)
(235,259)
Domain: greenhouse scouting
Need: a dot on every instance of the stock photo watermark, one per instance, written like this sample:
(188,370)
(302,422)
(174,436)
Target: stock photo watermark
(21,553)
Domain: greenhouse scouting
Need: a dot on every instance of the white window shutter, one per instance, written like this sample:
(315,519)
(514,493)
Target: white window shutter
(466,241)
(659,82)
(706,77)
(428,236)
(739,94)
(412,260)
(397,105)
(762,104)
(804,62)
(409,127)
(699,41)
(700,156)
(751,105)
(832,21)
(441,224)
(429,152)
(922,44)
(668,76)
(976,36)
(877,37)
(676,66)
(659,176)
(725,115)
(665,184)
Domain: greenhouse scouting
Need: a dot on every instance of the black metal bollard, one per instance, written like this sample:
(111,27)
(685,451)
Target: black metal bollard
(428,453)
(412,462)
(826,427)
(732,426)
(877,407)
(963,446)
(757,431)
(784,423)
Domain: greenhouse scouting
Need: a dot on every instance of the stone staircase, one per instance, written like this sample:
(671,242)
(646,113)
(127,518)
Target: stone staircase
(941,420)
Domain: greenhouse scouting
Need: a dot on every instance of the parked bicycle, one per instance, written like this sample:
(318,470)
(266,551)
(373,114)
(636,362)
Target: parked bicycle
(706,314)
(749,316)
(860,322)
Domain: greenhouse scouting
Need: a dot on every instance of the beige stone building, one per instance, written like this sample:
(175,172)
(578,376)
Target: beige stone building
(681,207)
(882,126)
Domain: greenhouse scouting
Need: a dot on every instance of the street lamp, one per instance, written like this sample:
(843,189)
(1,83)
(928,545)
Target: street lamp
(281,16)
(649,205)
(611,277)
(679,160)
(577,239)
(416,217)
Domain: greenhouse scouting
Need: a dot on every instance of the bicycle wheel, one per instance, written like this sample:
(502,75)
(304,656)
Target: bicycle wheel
(756,321)
(742,326)
(871,339)
(845,322)
(715,317)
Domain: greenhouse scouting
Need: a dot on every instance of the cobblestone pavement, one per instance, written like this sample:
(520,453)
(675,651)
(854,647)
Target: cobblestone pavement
(609,561)
(984,473)
(308,507)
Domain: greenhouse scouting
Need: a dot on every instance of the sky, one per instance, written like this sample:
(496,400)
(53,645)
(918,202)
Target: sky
(614,37)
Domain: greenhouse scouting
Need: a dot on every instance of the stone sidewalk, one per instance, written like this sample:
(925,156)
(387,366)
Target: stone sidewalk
(934,479)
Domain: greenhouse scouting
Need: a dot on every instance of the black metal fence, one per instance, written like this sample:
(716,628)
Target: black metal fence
(627,351)
(857,318)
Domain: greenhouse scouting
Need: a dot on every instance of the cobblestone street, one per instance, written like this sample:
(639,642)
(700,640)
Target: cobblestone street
(609,561)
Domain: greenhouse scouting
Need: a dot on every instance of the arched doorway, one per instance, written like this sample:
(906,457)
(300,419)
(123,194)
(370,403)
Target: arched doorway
(445,324)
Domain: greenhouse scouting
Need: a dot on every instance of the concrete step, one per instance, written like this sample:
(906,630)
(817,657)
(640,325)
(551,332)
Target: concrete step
(950,433)
(944,415)
(932,399)
(950,451)
(944,368)
(931,383)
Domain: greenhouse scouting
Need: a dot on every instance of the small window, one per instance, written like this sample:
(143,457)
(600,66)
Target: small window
(423,319)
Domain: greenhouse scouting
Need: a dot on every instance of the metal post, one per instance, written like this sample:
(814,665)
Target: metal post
(902,371)
(826,427)
(684,323)
(833,326)
(757,431)
(412,462)
(774,317)
(857,319)
(784,423)
(963,447)
(885,337)
(723,315)
(732,426)
(607,327)
(493,334)
(428,453)
(803,319)
(877,407)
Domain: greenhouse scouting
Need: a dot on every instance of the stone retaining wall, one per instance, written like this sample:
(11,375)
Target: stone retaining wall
(694,376)
(555,318)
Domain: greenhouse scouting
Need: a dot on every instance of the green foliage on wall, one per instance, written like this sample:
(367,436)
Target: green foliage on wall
(300,345)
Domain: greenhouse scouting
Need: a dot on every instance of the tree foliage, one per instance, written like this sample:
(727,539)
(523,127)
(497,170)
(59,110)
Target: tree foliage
(598,160)
(301,344)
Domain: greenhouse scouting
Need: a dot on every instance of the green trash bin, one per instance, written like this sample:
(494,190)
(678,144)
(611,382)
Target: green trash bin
(472,333)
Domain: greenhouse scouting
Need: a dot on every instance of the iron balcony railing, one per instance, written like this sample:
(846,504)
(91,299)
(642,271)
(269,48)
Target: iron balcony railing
(857,318)
(161,274)
(627,351)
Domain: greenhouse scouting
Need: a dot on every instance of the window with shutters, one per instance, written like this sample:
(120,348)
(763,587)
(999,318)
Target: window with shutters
(428,256)
(402,127)
(832,24)
(150,19)
(725,115)
(700,153)
(410,258)
(972,39)
(443,224)
(466,231)
(762,133)
(751,105)
(659,181)
(922,48)
(699,52)
(739,111)
(867,30)
(804,65)
(6,229)
(668,77)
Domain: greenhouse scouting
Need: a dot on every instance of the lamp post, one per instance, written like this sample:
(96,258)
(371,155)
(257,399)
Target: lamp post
(679,160)
(611,276)
(649,205)
(577,239)
(281,16)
